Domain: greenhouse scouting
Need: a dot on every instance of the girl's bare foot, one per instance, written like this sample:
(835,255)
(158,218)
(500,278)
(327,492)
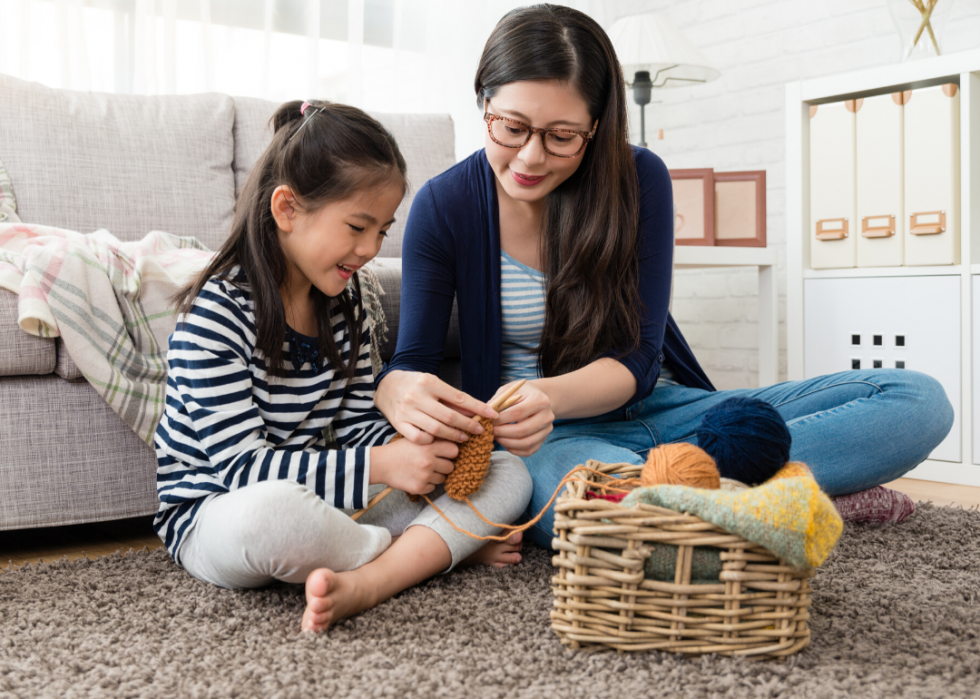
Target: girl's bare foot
(499,554)
(331,597)
(418,554)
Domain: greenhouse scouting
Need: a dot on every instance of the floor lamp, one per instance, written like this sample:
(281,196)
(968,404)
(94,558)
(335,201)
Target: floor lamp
(657,55)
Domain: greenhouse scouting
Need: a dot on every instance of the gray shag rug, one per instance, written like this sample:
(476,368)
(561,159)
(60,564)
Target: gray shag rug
(896,613)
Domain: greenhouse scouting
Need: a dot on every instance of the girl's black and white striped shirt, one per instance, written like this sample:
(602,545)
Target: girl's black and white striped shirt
(227,424)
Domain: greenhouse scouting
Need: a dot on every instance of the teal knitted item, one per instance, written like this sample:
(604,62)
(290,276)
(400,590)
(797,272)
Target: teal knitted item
(705,564)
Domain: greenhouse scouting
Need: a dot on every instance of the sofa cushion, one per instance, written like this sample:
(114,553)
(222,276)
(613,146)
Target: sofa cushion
(252,132)
(68,458)
(65,366)
(127,163)
(427,141)
(389,271)
(20,352)
(7,199)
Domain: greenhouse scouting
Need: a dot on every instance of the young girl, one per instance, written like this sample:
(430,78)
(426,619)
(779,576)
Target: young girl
(270,348)
(557,241)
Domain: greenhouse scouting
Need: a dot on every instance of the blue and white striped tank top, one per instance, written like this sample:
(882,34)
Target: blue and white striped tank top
(522,293)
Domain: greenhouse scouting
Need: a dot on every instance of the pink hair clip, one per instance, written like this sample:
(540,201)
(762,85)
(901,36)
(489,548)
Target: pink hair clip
(302,111)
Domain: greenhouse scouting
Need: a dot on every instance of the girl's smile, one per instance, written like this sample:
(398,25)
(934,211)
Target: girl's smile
(347,271)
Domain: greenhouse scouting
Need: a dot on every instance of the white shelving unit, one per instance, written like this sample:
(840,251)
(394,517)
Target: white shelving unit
(702,257)
(964,70)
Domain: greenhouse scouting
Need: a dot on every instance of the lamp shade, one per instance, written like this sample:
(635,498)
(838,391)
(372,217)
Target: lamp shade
(650,42)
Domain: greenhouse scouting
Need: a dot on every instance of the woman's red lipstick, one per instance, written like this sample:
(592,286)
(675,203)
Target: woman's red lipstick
(526,180)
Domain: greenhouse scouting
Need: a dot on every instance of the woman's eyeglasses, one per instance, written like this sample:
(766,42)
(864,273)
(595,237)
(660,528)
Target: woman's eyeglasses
(510,133)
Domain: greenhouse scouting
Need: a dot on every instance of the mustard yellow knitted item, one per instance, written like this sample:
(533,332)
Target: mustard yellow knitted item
(788,514)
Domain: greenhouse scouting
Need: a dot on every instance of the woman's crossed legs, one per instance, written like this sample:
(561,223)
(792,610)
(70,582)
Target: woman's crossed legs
(855,430)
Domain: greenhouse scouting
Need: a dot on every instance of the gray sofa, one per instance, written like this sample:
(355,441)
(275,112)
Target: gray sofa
(132,164)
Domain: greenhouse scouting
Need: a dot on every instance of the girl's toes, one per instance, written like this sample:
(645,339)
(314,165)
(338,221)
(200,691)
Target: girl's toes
(508,559)
(316,622)
(319,583)
(319,605)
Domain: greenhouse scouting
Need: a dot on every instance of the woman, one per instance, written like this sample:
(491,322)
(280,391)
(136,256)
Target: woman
(557,242)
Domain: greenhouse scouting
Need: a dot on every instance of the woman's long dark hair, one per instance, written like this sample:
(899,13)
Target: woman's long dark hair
(591,221)
(324,155)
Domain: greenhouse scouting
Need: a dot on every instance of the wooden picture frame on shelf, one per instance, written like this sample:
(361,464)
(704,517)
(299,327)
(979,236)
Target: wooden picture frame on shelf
(740,209)
(694,206)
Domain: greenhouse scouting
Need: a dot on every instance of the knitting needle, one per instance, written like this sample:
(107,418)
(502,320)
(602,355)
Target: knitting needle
(504,401)
(511,402)
(372,502)
(505,396)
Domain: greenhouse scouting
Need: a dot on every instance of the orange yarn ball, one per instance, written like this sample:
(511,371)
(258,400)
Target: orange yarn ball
(680,464)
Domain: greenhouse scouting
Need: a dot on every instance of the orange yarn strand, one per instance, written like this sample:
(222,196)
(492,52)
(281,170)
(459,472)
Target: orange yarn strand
(510,530)
(671,464)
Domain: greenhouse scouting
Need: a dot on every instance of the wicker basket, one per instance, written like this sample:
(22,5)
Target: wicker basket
(758,607)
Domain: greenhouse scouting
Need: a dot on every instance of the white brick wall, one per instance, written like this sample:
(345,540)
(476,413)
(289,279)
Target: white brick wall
(737,123)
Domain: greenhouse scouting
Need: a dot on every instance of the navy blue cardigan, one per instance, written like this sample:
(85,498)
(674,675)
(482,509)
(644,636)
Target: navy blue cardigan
(452,248)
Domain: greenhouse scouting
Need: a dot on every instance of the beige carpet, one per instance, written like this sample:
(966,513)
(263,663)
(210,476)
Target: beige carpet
(896,614)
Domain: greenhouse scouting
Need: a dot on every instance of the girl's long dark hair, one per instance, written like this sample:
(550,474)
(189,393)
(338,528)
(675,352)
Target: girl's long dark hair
(323,156)
(591,221)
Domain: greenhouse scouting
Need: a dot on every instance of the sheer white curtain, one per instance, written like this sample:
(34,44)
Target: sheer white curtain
(382,55)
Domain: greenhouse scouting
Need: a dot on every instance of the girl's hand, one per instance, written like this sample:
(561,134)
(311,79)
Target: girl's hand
(423,408)
(522,428)
(414,468)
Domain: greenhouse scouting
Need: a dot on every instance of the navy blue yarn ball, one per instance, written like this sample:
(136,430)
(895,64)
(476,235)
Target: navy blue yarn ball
(747,438)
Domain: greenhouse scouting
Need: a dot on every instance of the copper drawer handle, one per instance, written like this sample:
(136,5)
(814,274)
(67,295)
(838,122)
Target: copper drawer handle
(927,223)
(878,231)
(832,229)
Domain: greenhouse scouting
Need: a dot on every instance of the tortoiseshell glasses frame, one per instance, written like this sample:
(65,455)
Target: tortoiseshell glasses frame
(531,130)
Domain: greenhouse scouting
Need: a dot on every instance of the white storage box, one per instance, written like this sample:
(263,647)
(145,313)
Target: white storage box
(932,176)
(975,279)
(832,196)
(887,322)
(880,234)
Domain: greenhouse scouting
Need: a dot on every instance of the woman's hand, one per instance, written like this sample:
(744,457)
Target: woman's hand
(423,408)
(414,468)
(522,428)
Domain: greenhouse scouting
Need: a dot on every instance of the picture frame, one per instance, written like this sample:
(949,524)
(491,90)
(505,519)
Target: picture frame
(740,209)
(694,206)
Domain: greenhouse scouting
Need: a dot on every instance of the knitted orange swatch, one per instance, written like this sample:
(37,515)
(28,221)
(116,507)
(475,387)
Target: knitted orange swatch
(471,464)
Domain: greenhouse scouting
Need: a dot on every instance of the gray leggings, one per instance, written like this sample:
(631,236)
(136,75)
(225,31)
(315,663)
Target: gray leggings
(281,530)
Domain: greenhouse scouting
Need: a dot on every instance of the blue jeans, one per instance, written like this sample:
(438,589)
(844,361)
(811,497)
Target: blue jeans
(855,430)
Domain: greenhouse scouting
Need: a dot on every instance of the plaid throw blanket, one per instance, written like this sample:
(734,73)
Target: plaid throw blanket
(110,302)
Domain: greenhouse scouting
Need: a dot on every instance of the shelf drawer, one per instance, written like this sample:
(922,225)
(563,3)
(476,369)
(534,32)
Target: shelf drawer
(832,186)
(932,176)
(892,322)
(879,235)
